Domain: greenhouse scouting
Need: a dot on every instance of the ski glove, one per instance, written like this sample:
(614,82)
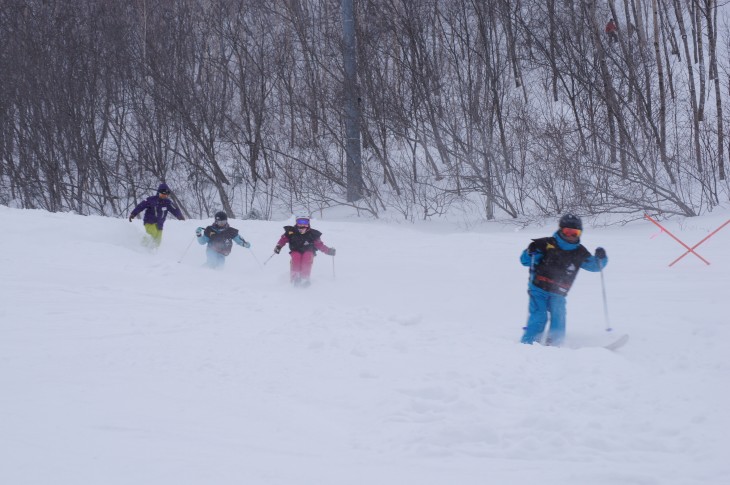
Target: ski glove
(199,231)
(246,244)
(532,248)
(600,253)
(277,249)
(331,252)
(130,218)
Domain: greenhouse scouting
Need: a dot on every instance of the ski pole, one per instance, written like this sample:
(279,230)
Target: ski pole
(186,250)
(267,259)
(605,303)
(333,267)
(254,257)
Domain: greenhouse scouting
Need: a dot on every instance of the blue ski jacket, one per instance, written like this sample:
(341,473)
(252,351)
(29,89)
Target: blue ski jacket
(220,239)
(555,264)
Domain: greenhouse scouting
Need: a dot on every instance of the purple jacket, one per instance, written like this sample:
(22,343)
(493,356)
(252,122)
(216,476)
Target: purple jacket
(155,210)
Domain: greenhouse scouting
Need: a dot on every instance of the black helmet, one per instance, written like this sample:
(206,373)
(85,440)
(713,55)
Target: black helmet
(221,216)
(571,220)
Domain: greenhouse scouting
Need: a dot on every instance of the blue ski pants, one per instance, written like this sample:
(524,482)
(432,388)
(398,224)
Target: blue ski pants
(541,303)
(215,259)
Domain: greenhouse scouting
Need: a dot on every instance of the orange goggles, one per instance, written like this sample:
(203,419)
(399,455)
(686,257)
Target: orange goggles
(571,232)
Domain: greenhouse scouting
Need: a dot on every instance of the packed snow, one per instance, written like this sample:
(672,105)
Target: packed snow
(400,364)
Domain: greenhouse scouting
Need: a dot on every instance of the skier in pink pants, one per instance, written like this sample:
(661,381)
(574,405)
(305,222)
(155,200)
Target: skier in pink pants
(303,243)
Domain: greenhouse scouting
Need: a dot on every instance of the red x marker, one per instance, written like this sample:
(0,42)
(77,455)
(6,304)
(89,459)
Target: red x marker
(689,249)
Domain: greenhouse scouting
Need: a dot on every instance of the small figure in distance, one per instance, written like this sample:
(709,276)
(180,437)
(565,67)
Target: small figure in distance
(612,31)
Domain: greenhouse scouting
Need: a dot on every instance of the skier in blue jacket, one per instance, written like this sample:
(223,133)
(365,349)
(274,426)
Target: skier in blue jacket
(220,238)
(554,263)
(155,210)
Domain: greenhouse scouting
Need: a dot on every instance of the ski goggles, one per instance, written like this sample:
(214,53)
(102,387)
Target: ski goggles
(571,232)
(164,194)
(303,222)
(221,223)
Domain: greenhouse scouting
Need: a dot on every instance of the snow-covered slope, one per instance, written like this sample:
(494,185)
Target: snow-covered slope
(399,365)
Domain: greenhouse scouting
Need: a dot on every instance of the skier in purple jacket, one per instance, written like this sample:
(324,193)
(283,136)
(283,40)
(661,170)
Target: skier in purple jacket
(155,209)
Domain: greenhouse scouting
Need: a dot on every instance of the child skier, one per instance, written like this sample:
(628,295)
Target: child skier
(155,209)
(220,238)
(303,243)
(554,263)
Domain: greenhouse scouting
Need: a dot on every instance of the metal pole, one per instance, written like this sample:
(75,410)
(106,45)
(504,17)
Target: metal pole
(257,259)
(352,104)
(186,250)
(605,302)
(267,259)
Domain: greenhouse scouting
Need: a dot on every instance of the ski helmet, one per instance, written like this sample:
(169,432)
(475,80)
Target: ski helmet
(572,221)
(221,216)
(302,221)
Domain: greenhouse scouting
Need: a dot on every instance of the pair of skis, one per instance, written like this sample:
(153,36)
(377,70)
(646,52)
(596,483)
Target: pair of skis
(613,345)
(618,343)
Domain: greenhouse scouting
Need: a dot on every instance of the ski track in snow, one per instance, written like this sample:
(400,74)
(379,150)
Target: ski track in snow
(400,364)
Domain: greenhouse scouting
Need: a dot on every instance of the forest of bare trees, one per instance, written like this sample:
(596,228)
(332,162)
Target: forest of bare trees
(498,108)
